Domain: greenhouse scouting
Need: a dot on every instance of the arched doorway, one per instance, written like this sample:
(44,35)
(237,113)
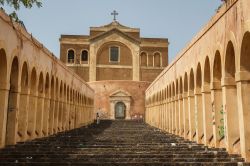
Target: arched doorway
(120,110)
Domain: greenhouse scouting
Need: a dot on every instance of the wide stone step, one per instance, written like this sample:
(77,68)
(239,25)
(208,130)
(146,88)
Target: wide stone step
(114,143)
(124,164)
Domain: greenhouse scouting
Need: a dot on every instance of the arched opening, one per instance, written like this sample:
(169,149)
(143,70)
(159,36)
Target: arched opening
(11,129)
(71,56)
(217,105)
(84,57)
(243,86)
(157,59)
(60,114)
(46,105)
(230,101)
(71,109)
(167,110)
(181,108)
(245,53)
(67,108)
(52,105)
(206,102)
(143,59)
(3,69)
(75,107)
(64,107)
(120,110)
(23,103)
(55,126)
(32,104)
(177,109)
(72,115)
(185,107)
(40,105)
(191,107)
(3,95)
(198,106)
(172,108)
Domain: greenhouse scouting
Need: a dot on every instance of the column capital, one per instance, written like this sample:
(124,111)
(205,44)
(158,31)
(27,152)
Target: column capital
(190,93)
(179,96)
(228,81)
(215,85)
(242,76)
(205,88)
(197,91)
(185,95)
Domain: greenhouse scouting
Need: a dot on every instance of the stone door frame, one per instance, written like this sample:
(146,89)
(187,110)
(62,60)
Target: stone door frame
(120,96)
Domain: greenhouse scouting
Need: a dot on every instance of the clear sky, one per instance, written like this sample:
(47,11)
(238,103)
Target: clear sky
(177,20)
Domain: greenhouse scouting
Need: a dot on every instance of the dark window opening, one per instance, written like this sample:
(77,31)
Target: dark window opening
(71,56)
(114,54)
(84,55)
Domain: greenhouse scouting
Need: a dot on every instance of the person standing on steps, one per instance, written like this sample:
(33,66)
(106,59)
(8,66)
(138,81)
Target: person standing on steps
(97,118)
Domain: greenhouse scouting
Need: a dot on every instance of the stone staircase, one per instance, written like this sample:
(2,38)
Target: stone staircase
(114,143)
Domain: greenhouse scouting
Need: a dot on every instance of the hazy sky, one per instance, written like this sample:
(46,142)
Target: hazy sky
(177,20)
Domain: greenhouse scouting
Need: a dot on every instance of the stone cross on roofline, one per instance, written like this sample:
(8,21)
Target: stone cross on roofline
(114,13)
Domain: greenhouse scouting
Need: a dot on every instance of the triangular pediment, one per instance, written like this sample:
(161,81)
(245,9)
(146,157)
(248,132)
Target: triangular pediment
(114,31)
(120,93)
(114,24)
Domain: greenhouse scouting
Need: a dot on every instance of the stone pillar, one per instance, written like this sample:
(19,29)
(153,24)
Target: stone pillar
(23,115)
(64,111)
(173,115)
(32,116)
(243,91)
(170,115)
(112,110)
(76,114)
(127,103)
(231,118)
(207,114)
(185,115)
(51,115)
(198,116)
(12,118)
(160,115)
(150,115)
(176,102)
(60,112)
(83,114)
(46,115)
(39,115)
(66,114)
(92,63)
(4,93)
(217,109)
(165,116)
(191,115)
(55,127)
(136,63)
(181,124)
(80,114)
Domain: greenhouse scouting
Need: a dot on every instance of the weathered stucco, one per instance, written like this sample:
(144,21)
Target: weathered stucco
(105,89)
(39,95)
(203,95)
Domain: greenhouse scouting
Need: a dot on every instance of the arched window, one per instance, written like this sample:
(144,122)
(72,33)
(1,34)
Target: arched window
(84,56)
(157,59)
(114,54)
(143,59)
(71,56)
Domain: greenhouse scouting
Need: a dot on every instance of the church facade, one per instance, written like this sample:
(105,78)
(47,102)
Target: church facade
(116,55)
